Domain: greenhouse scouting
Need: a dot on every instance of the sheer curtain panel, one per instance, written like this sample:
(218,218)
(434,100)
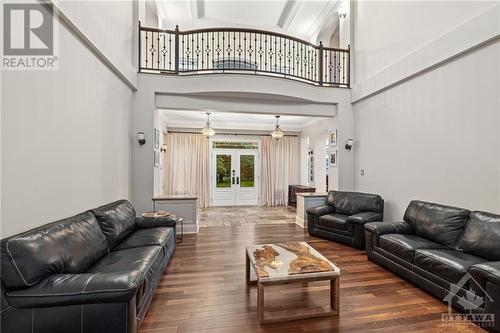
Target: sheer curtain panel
(279,168)
(186,166)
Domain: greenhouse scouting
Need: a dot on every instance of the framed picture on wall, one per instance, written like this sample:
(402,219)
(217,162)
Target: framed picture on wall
(157,139)
(333,159)
(333,138)
(156,159)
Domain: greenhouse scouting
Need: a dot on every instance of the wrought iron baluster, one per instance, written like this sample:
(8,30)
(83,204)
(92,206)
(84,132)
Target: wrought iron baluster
(343,67)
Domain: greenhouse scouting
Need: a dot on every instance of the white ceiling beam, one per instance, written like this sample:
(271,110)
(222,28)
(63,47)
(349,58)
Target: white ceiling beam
(288,13)
(324,15)
(161,11)
(197,8)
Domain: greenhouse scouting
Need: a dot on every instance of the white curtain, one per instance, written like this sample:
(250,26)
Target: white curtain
(186,166)
(279,168)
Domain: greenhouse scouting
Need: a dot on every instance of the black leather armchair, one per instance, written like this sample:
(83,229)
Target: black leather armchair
(450,252)
(343,216)
(94,272)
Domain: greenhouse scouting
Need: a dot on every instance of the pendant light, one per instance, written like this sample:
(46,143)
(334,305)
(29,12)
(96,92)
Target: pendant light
(277,133)
(208,131)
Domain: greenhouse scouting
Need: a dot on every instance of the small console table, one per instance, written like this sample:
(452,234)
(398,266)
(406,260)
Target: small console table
(184,206)
(306,201)
(294,189)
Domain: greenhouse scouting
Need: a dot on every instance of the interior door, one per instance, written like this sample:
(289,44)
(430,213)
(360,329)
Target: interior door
(246,177)
(223,178)
(235,177)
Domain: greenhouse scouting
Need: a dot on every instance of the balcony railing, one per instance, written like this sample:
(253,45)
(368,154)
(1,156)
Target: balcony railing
(230,50)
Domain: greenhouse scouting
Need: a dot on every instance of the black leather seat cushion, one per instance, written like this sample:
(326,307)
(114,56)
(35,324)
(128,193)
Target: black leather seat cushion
(117,221)
(481,235)
(404,246)
(148,260)
(145,237)
(439,223)
(67,289)
(450,264)
(334,221)
(71,245)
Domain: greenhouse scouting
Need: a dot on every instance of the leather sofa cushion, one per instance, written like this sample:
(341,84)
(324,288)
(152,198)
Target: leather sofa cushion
(439,223)
(481,235)
(68,289)
(334,221)
(147,260)
(404,246)
(350,203)
(449,264)
(160,236)
(71,245)
(116,220)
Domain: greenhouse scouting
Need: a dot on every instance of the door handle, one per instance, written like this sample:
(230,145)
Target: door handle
(238,180)
(233,180)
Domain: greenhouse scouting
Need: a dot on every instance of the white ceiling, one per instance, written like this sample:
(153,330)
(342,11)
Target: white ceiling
(305,19)
(234,121)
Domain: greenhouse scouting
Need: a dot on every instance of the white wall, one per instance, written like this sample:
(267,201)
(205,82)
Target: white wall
(110,27)
(317,133)
(66,138)
(434,136)
(158,172)
(386,31)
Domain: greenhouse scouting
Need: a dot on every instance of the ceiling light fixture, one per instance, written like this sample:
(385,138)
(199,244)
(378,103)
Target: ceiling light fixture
(208,131)
(277,133)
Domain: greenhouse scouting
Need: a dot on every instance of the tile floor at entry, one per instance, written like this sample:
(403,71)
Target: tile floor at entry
(244,215)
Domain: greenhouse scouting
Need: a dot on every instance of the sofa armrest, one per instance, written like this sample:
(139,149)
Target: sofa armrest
(152,222)
(365,217)
(69,289)
(321,210)
(382,228)
(486,271)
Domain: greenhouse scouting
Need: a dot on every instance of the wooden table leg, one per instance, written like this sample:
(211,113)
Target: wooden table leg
(335,294)
(260,302)
(247,268)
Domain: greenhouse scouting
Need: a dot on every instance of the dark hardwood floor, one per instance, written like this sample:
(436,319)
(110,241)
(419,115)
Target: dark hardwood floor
(204,290)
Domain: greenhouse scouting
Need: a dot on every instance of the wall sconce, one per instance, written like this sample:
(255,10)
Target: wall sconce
(141,138)
(349,143)
(163,148)
(342,13)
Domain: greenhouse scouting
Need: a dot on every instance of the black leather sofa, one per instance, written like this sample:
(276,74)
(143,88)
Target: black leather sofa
(93,272)
(438,246)
(343,216)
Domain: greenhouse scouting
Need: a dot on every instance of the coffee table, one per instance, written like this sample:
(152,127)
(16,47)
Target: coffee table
(293,262)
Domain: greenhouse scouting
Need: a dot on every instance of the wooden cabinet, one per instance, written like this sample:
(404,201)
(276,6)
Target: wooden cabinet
(294,189)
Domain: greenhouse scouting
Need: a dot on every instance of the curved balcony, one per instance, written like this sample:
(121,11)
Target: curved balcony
(249,51)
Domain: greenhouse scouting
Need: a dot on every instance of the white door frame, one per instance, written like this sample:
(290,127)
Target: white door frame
(216,138)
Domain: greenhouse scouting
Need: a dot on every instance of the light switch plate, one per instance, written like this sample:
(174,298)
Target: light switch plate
(362,172)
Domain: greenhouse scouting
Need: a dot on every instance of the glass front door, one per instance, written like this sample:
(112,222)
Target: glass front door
(234,177)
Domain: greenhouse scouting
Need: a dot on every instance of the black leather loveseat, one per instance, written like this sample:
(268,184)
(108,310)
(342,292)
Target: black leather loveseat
(343,216)
(450,252)
(93,272)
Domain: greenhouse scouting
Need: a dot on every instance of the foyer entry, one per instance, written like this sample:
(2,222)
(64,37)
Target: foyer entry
(234,176)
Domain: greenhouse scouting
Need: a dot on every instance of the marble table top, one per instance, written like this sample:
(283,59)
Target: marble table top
(289,261)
